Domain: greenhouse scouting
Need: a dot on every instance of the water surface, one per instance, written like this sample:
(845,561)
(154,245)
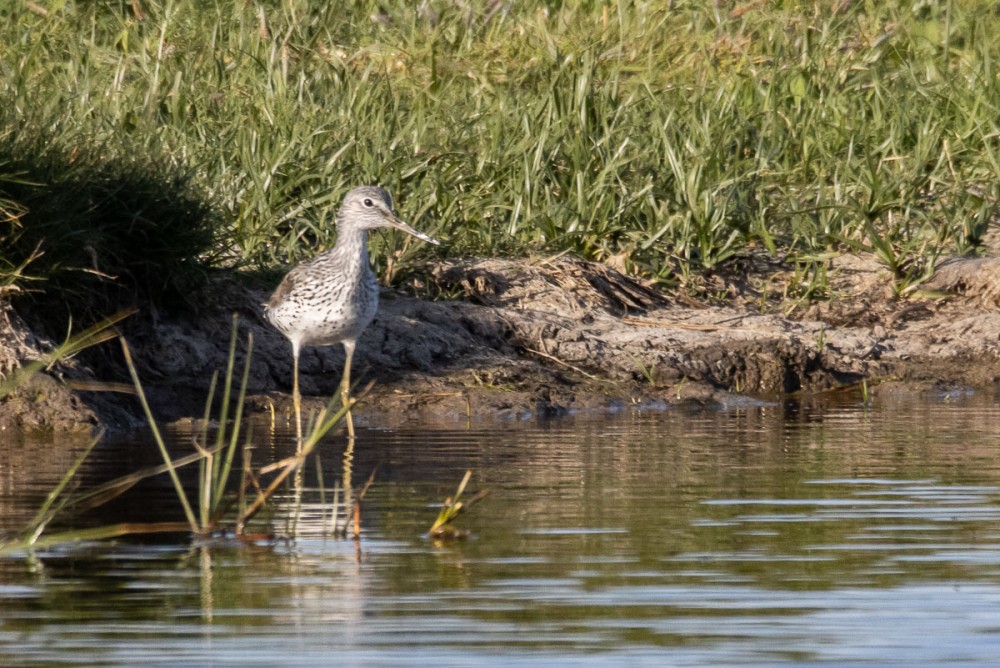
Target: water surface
(787,533)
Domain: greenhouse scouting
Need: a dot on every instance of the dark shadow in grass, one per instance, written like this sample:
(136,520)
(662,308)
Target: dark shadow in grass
(106,233)
(89,230)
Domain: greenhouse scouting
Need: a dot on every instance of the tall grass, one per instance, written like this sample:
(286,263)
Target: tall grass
(226,498)
(104,234)
(73,344)
(670,136)
(214,502)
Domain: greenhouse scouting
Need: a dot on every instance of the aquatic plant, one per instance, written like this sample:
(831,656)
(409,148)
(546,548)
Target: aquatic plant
(226,497)
(443,527)
(217,461)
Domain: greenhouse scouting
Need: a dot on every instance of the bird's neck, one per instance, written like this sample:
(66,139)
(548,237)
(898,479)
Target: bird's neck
(350,253)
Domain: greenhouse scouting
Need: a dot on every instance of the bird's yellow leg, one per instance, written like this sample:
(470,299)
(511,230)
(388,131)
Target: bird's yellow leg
(345,386)
(296,397)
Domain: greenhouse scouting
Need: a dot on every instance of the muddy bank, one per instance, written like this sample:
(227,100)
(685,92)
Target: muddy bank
(522,338)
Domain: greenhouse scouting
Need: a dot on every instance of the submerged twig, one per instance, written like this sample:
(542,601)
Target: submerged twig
(358,499)
(97,533)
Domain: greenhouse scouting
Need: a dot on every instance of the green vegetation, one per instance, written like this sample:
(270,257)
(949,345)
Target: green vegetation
(443,527)
(227,498)
(101,231)
(72,345)
(217,472)
(669,136)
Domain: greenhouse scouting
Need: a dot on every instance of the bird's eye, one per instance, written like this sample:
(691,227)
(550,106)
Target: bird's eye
(367,202)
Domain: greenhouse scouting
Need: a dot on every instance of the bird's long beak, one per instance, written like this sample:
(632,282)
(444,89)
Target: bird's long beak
(393,221)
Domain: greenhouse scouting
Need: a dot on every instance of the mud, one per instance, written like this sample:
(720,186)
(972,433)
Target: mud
(514,339)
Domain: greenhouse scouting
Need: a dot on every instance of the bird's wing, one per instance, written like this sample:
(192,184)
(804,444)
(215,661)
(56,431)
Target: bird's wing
(284,288)
(294,277)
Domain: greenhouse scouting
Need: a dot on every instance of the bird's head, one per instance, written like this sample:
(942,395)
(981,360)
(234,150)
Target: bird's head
(369,208)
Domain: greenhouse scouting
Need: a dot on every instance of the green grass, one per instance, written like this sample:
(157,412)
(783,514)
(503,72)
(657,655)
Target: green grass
(671,137)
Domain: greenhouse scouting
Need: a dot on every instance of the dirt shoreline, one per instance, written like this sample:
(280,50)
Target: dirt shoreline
(540,338)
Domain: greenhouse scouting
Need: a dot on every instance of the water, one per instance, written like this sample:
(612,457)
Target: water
(780,534)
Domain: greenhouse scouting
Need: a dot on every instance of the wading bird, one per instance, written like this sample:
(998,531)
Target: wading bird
(332,298)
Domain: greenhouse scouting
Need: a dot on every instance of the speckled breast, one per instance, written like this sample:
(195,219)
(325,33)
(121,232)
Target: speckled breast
(328,315)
